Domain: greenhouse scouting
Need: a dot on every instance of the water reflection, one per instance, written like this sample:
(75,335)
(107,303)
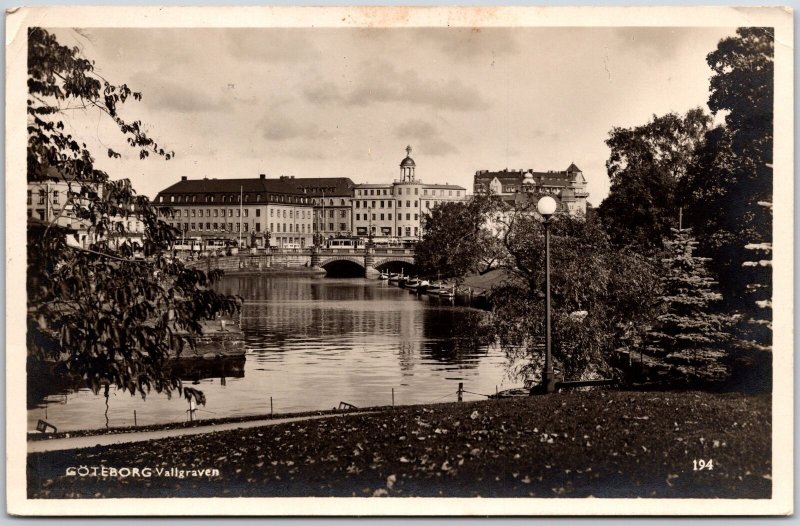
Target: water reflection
(312,343)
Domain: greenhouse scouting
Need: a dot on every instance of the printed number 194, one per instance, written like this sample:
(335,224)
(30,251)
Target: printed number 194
(701,464)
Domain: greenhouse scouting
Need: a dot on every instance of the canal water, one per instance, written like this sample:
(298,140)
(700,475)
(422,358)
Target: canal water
(312,343)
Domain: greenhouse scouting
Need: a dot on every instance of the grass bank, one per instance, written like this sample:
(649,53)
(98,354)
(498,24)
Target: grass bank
(602,444)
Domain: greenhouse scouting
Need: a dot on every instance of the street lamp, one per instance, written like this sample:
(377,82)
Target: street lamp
(546,208)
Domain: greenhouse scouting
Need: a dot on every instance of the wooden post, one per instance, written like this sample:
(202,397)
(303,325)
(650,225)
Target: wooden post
(460,391)
(270,407)
(135,424)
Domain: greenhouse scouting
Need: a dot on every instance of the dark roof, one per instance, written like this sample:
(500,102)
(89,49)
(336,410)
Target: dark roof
(408,161)
(230,186)
(516,177)
(314,186)
(573,168)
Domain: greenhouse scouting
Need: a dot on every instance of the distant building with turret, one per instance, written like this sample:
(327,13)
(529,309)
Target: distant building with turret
(568,187)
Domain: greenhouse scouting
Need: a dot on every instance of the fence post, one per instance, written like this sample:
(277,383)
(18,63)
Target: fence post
(135,424)
(270,407)
(460,391)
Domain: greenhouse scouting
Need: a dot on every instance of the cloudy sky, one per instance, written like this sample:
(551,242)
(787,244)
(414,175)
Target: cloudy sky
(346,102)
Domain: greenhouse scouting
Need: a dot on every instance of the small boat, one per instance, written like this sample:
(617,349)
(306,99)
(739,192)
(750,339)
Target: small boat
(384,276)
(402,281)
(417,285)
(433,288)
(448,293)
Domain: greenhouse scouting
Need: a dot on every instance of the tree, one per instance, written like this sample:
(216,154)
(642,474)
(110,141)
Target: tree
(601,296)
(102,311)
(732,173)
(455,241)
(689,335)
(645,166)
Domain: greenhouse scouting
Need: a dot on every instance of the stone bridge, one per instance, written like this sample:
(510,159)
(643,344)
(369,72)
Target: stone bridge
(370,261)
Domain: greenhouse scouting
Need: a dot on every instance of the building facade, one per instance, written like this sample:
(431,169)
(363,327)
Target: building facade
(395,210)
(332,198)
(568,187)
(243,212)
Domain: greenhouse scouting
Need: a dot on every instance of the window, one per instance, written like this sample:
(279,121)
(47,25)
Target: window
(272,212)
(290,227)
(425,192)
(193,214)
(215,226)
(342,213)
(215,213)
(381,217)
(408,204)
(185,227)
(30,197)
(342,226)
(358,217)
(191,226)
(238,213)
(42,197)
(415,204)
(331,226)
(208,226)
(382,204)
(416,217)
(330,213)
(408,217)
(389,203)
(246,212)
(291,214)
(373,217)
(399,231)
(372,192)
(303,228)
(358,203)
(284,214)
(450,192)
(399,204)
(416,231)
(342,202)
(416,191)
(408,230)
(258,212)
(55,197)
(458,193)
(390,217)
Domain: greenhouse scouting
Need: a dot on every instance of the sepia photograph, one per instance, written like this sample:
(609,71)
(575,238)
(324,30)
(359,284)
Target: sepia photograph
(506,261)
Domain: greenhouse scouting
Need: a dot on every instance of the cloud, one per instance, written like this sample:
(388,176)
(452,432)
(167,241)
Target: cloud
(426,135)
(379,81)
(272,45)
(468,44)
(277,127)
(169,95)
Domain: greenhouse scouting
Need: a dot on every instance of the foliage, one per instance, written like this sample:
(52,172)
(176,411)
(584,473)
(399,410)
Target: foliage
(113,310)
(732,173)
(600,295)
(645,165)
(689,334)
(455,241)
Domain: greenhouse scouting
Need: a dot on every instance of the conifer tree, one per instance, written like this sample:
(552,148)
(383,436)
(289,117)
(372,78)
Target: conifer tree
(689,334)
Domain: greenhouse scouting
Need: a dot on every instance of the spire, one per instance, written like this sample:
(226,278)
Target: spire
(408,150)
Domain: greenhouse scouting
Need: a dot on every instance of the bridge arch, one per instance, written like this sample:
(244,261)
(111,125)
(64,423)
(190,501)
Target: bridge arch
(343,267)
(395,265)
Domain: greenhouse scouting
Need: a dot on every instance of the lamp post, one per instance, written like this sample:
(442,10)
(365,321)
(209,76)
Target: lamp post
(546,208)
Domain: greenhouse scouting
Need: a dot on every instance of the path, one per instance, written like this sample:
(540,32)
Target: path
(60,444)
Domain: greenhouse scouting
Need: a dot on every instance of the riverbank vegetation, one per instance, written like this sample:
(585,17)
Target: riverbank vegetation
(105,302)
(607,444)
(673,267)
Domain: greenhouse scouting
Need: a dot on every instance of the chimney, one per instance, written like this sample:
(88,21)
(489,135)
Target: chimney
(263,176)
(184,178)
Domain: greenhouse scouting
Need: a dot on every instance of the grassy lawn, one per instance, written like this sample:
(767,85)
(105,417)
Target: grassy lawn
(602,444)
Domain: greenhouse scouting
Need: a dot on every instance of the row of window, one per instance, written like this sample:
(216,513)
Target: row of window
(220,212)
(362,231)
(234,227)
(43,197)
(320,213)
(342,227)
(383,218)
(209,198)
(399,191)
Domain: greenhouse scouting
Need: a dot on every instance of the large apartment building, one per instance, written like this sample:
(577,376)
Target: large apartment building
(395,210)
(568,187)
(251,212)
